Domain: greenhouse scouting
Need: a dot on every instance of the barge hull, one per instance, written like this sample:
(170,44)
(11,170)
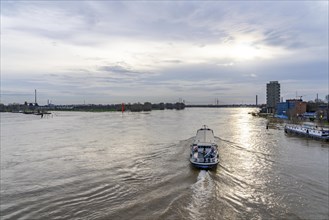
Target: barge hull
(288,131)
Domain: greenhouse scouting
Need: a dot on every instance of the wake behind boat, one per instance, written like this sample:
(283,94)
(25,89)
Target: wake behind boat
(204,150)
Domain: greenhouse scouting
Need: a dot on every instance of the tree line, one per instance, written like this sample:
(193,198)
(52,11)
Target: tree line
(135,107)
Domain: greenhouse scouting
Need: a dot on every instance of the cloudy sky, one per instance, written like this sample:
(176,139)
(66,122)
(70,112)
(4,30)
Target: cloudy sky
(161,51)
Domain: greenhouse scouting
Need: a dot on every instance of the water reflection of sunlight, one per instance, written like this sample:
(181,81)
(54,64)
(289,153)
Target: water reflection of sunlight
(242,128)
(244,133)
(248,161)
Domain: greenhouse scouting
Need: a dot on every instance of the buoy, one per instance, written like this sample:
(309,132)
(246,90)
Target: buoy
(122,107)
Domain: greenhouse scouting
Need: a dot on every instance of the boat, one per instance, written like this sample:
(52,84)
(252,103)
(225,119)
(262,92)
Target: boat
(204,150)
(308,130)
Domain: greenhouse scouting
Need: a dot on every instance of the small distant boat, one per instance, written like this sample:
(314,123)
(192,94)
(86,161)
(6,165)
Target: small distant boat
(36,112)
(308,130)
(204,150)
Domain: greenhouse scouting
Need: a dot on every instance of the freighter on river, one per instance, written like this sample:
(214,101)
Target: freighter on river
(204,150)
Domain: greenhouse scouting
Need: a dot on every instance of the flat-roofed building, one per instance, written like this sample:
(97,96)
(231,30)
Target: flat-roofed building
(291,108)
(299,106)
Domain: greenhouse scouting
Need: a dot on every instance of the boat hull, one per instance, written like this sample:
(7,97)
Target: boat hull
(204,165)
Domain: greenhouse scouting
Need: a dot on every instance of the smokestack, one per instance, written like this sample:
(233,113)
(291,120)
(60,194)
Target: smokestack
(256,100)
(35,96)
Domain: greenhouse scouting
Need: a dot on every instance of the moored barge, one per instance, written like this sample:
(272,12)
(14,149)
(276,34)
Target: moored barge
(308,130)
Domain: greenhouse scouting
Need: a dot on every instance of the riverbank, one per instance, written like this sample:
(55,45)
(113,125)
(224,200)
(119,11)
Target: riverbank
(272,119)
(135,107)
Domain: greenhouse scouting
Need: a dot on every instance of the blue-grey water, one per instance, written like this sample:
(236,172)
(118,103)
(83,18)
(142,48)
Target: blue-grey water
(79,165)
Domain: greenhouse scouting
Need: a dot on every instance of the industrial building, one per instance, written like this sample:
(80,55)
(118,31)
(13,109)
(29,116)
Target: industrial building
(291,108)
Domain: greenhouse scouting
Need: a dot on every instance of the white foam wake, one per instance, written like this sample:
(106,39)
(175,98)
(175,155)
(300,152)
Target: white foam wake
(202,192)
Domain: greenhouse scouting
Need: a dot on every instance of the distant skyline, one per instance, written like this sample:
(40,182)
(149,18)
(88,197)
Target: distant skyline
(104,52)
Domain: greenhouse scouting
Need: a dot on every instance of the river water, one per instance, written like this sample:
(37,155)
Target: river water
(79,165)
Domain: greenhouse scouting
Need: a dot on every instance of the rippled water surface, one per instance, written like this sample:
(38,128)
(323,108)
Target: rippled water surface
(76,165)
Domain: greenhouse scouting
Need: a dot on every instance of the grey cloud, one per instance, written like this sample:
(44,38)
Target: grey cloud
(291,25)
(172,61)
(287,39)
(117,69)
(193,21)
(123,72)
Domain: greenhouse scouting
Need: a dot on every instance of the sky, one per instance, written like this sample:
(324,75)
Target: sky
(108,52)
